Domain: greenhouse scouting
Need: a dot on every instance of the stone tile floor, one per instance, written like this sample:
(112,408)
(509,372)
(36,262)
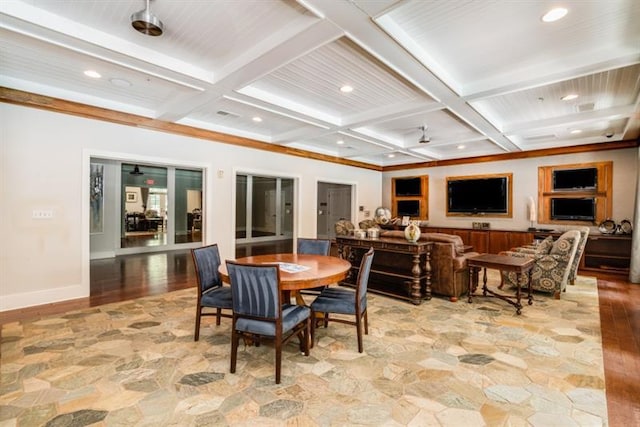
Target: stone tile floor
(135,363)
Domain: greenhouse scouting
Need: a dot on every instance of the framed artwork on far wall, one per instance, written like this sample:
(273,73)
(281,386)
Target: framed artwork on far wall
(131,196)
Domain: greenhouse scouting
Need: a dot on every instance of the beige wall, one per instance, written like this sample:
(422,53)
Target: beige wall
(525,184)
(45,165)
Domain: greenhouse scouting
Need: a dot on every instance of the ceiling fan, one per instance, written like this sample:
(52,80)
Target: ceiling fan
(424,139)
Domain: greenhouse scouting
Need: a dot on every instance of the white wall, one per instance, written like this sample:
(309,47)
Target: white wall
(45,165)
(525,184)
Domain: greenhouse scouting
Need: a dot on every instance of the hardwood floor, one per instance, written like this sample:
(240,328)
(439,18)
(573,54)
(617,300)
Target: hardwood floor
(134,276)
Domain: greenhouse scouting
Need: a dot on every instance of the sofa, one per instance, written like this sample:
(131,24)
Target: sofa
(449,269)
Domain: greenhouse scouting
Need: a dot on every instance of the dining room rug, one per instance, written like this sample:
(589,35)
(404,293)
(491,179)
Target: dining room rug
(441,363)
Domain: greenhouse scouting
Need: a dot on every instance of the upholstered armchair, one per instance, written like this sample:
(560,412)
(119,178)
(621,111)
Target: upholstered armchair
(259,312)
(211,292)
(552,269)
(584,237)
(341,301)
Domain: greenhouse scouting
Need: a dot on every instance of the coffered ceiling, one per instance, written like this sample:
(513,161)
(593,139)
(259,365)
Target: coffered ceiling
(484,77)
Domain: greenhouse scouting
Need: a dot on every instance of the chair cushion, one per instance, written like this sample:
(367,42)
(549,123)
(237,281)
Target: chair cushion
(545,246)
(217,297)
(337,300)
(563,245)
(291,316)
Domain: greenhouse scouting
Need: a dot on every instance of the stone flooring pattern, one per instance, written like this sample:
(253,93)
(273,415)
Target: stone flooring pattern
(437,364)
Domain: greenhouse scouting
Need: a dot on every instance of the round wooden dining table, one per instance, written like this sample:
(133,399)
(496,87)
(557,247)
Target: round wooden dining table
(320,270)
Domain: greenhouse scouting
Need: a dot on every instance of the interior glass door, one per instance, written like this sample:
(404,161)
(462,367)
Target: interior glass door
(144,206)
(264,212)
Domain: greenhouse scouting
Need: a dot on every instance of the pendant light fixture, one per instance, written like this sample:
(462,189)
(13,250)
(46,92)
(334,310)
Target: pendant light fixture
(147,23)
(424,139)
(136,171)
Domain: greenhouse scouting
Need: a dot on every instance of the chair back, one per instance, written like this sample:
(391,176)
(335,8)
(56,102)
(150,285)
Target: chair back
(207,260)
(584,236)
(255,290)
(314,246)
(566,247)
(363,278)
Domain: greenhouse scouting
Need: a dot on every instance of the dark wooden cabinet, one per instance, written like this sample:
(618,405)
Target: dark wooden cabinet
(607,253)
(400,269)
(604,253)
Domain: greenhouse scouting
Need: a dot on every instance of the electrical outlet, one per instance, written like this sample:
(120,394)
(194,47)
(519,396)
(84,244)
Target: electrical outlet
(42,214)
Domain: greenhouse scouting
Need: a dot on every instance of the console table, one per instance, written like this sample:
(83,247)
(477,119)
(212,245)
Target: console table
(400,268)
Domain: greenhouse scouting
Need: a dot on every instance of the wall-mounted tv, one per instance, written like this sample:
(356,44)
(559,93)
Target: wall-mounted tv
(573,209)
(408,187)
(575,179)
(408,208)
(476,196)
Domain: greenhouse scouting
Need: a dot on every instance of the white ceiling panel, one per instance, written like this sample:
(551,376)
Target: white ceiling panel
(314,81)
(488,75)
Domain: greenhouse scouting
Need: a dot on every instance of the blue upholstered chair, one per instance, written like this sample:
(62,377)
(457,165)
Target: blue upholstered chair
(211,292)
(258,311)
(340,300)
(314,247)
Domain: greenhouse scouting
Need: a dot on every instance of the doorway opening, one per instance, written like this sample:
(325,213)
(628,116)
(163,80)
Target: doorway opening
(264,214)
(334,204)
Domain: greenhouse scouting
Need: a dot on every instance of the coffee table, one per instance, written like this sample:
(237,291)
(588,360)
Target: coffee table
(503,263)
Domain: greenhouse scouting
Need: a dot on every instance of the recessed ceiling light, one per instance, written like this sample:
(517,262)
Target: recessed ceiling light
(391,155)
(120,82)
(554,14)
(570,96)
(576,131)
(93,74)
(346,89)
(340,142)
(461,147)
(257,119)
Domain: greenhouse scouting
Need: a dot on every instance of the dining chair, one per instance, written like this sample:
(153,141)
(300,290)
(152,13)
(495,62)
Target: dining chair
(339,300)
(211,292)
(258,311)
(313,247)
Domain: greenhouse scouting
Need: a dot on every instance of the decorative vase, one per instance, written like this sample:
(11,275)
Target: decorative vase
(412,232)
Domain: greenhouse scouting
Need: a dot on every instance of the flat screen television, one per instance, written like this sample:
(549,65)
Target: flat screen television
(478,196)
(408,187)
(572,209)
(575,179)
(408,208)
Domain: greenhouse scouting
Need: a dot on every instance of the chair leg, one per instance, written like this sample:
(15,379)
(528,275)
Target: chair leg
(366,323)
(235,338)
(196,333)
(313,329)
(307,336)
(218,313)
(278,359)
(556,295)
(359,331)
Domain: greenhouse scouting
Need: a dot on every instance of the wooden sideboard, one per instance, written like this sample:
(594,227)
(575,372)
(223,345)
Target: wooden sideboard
(604,253)
(400,269)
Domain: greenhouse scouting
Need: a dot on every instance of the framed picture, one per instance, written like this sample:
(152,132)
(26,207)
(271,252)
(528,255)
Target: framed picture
(96,219)
(131,196)
(405,220)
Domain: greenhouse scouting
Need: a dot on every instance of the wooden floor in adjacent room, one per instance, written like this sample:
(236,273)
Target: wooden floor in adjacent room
(133,276)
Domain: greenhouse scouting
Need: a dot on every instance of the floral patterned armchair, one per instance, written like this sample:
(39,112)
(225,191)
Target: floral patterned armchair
(584,237)
(551,270)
